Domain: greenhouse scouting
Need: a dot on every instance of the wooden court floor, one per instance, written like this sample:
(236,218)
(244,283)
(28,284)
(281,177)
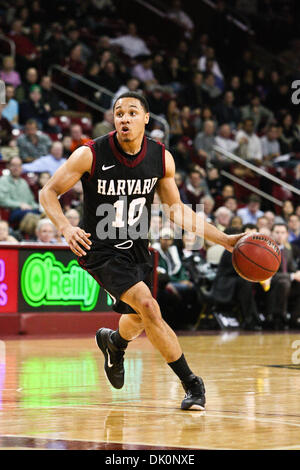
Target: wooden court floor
(54,395)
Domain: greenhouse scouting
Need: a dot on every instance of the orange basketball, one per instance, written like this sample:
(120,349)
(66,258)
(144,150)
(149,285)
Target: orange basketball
(256,257)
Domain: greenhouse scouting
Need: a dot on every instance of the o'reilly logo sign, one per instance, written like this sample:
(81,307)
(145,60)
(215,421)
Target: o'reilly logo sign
(46,281)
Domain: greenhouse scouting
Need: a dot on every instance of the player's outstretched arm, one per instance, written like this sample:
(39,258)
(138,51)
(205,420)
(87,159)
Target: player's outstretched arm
(183,215)
(64,179)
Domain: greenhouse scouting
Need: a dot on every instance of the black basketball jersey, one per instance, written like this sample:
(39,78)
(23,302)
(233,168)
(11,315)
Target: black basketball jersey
(119,191)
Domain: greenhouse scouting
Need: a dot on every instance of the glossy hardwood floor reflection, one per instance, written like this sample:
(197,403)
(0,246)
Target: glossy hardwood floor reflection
(54,395)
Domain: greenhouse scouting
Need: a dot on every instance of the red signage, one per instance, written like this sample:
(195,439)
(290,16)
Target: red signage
(8,281)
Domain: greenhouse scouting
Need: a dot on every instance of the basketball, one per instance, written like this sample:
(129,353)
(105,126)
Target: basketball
(256,257)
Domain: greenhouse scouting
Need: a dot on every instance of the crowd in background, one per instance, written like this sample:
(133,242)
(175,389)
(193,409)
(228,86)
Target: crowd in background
(244,108)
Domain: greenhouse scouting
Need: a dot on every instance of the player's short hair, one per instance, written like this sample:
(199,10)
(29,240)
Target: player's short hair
(137,96)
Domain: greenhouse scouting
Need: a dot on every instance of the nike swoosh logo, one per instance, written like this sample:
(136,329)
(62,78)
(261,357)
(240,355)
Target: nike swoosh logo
(107,167)
(110,365)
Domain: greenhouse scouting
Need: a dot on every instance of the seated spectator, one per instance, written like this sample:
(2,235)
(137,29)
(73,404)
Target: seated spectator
(229,287)
(73,199)
(248,84)
(33,143)
(214,253)
(78,138)
(105,126)
(45,232)
(50,163)
(208,205)
(177,295)
(176,14)
(249,228)
(132,84)
(287,210)
(231,203)
(143,71)
(11,109)
(279,99)
(27,227)
(157,135)
(272,219)
(74,63)
(156,102)
(174,76)
(251,212)
(73,38)
(43,178)
(226,112)
(249,144)
(235,87)
(207,115)
(131,43)
(182,152)
(187,122)
(224,141)
(49,97)
(5,237)
(5,128)
(222,218)
(262,222)
(173,118)
(34,108)
(294,228)
(194,189)
(209,68)
(191,245)
(193,94)
(205,141)
(55,46)
(73,217)
(37,35)
(266,231)
(8,73)
(209,54)
(287,137)
(270,145)
(284,293)
(15,193)
(179,179)
(260,115)
(227,191)
(214,182)
(110,78)
(67,142)
(236,223)
(210,88)
(297,128)
(25,50)
(31,78)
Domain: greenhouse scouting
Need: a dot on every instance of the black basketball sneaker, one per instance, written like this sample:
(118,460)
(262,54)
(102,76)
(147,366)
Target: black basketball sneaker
(195,395)
(113,357)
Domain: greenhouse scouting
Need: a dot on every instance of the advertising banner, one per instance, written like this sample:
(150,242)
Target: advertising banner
(8,281)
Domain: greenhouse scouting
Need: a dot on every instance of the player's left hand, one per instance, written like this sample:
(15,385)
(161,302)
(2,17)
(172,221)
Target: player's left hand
(232,240)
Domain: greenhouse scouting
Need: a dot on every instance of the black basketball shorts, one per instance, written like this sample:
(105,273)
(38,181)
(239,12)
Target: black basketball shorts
(118,269)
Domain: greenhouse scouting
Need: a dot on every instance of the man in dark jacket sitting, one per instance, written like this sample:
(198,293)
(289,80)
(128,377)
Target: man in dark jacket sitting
(229,287)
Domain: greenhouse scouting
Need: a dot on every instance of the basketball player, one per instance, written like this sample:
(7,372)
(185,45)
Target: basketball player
(120,172)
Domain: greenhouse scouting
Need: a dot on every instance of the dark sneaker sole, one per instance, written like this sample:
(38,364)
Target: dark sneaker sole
(193,406)
(103,348)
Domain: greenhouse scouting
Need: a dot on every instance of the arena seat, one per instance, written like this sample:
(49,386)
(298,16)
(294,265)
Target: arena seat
(64,122)
(4,213)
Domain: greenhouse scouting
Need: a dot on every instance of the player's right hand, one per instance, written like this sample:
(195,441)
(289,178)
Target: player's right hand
(76,239)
